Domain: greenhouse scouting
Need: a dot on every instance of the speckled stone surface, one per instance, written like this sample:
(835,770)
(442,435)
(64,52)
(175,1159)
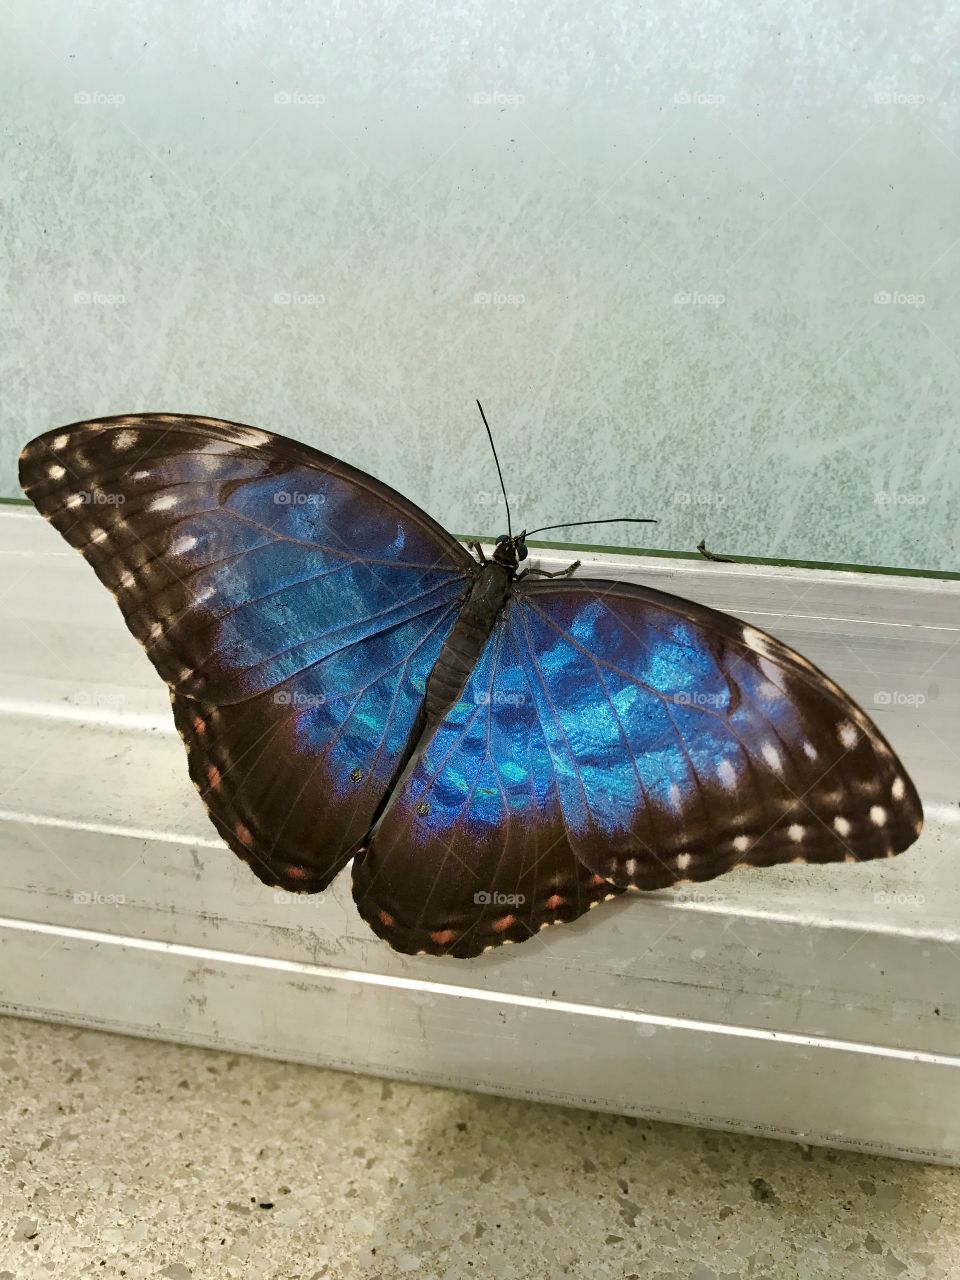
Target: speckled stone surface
(124,1157)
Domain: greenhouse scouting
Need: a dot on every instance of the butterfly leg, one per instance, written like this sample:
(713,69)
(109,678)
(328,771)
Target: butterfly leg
(545,573)
(475,546)
(709,555)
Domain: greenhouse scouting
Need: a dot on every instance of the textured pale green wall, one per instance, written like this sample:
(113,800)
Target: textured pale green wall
(506,201)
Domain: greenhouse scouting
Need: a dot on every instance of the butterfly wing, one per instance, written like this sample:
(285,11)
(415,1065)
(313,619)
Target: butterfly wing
(648,739)
(473,849)
(294,605)
(690,743)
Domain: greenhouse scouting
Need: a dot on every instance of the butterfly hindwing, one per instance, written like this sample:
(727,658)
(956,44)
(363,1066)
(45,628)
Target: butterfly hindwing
(473,849)
(295,607)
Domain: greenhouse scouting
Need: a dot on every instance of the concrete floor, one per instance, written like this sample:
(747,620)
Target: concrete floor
(133,1158)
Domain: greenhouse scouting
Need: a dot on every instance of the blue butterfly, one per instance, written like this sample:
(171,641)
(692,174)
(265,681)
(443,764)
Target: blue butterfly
(495,752)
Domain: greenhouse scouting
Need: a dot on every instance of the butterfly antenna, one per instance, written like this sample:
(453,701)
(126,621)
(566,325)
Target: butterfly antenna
(499,472)
(576,524)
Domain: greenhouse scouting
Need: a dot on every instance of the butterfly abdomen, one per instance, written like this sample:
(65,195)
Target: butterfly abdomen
(465,643)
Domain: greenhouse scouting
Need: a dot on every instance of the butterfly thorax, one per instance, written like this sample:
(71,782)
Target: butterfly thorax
(463,646)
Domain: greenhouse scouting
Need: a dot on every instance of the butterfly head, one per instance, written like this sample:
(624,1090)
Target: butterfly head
(509,551)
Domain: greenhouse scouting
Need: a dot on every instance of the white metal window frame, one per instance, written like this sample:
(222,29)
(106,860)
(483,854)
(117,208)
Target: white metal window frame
(816,1004)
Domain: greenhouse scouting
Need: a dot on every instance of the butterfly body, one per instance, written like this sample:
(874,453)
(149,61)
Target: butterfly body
(495,753)
(463,646)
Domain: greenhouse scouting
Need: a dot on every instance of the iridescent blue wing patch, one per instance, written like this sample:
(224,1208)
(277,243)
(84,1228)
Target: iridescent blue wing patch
(687,743)
(647,738)
(474,850)
(294,605)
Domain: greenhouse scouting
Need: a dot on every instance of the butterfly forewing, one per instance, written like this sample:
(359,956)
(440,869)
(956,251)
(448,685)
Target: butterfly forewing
(294,605)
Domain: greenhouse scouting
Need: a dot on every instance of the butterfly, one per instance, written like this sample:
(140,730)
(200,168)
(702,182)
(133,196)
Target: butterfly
(494,751)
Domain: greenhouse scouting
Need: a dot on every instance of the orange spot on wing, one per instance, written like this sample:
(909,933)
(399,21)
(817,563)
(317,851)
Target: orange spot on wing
(243,834)
(213,775)
(443,937)
(598,880)
(296,873)
(386,918)
(554,902)
(199,726)
(503,923)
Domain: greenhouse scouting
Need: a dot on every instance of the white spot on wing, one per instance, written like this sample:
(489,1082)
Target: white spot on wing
(795,832)
(61,442)
(741,844)
(182,545)
(683,861)
(773,674)
(841,825)
(898,790)
(631,866)
(809,750)
(756,641)
(878,815)
(56,472)
(125,439)
(847,734)
(727,774)
(164,502)
(772,756)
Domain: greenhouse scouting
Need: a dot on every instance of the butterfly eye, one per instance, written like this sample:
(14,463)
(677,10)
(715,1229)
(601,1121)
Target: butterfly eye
(521,551)
(503,537)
